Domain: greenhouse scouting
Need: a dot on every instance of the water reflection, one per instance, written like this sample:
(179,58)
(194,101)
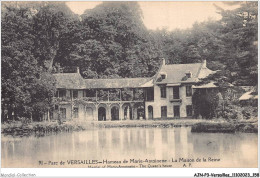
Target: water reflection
(234,150)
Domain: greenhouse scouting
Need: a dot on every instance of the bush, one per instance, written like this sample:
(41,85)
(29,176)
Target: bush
(249,112)
(228,112)
(213,127)
(246,114)
(205,103)
(25,120)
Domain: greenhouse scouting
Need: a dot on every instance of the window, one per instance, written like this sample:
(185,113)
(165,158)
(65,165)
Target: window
(62,93)
(164,111)
(51,115)
(188,91)
(176,94)
(150,112)
(150,94)
(163,76)
(163,91)
(56,107)
(75,112)
(176,110)
(63,113)
(75,93)
(189,110)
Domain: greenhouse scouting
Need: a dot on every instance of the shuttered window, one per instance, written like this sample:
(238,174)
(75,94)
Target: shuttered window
(176,94)
(189,110)
(164,111)
(188,91)
(163,91)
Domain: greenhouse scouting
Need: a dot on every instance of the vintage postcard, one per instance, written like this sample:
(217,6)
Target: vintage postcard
(138,84)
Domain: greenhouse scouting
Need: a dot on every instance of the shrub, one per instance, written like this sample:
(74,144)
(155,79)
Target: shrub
(246,114)
(205,103)
(228,111)
(25,120)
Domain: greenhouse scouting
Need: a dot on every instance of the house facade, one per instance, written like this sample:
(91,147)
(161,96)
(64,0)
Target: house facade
(168,94)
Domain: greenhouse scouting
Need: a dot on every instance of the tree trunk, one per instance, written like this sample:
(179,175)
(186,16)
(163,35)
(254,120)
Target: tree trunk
(48,115)
(53,52)
(9,113)
(2,115)
(13,115)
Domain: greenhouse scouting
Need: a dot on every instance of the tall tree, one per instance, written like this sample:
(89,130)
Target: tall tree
(229,45)
(239,35)
(49,24)
(21,72)
(114,41)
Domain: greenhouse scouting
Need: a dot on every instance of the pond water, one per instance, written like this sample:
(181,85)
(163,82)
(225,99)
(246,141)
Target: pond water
(119,144)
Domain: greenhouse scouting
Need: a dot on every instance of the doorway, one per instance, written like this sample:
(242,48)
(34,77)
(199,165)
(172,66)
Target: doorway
(176,111)
(114,113)
(101,114)
(150,112)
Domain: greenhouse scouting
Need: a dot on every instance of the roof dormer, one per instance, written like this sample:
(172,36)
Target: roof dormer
(163,75)
(188,74)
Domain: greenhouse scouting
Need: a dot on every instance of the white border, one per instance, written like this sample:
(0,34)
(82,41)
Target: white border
(128,172)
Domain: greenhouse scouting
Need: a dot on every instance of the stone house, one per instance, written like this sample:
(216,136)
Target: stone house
(168,94)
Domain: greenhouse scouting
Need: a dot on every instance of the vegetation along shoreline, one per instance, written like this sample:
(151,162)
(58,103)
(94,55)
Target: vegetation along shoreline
(200,125)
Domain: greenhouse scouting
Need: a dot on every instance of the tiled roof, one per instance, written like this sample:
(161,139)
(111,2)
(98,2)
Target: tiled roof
(204,72)
(76,81)
(116,83)
(247,88)
(69,81)
(208,85)
(176,73)
(149,83)
(248,95)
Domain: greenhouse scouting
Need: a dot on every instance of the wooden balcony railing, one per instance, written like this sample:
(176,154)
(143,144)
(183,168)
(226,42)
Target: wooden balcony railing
(62,99)
(95,99)
(91,99)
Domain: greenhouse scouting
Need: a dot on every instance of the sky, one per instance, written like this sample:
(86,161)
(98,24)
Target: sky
(166,14)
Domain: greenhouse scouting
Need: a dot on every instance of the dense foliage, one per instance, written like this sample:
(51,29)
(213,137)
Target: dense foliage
(228,45)
(111,41)
(108,41)
(27,84)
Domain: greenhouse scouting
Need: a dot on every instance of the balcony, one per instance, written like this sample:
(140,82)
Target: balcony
(61,99)
(69,99)
(174,99)
(84,100)
(89,99)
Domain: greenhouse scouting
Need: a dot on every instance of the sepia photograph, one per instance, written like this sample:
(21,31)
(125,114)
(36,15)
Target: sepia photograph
(129,84)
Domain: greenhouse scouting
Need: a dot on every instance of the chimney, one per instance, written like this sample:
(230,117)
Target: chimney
(188,74)
(204,64)
(78,70)
(163,61)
